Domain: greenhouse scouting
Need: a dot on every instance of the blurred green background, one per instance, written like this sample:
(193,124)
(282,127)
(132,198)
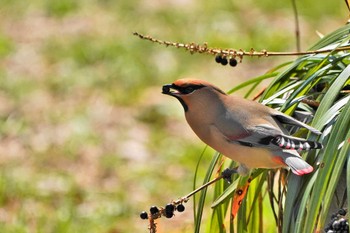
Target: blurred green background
(86,139)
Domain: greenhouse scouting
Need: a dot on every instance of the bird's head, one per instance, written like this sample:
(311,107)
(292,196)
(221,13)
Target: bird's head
(190,91)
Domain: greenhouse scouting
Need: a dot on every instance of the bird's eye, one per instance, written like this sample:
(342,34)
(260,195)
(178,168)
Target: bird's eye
(188,90)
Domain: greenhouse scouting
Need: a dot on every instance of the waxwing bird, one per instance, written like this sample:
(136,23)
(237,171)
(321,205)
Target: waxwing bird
(243,130)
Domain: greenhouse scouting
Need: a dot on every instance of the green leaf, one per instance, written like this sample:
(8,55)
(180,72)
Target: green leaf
(198,218)
(307,199)
(229,191)
(332,37)
(252,81)
(326,171)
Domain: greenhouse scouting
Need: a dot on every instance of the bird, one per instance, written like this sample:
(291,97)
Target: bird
(250,133)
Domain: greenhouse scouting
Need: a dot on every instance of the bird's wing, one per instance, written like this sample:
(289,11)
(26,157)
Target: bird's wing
(259,126)
(256,136)
(268,136)
(261,136)
(285,119)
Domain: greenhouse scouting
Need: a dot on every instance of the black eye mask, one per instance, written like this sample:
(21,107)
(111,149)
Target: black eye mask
(187,89)
(180,89)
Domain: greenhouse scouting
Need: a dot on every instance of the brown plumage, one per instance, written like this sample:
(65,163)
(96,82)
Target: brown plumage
(243,130)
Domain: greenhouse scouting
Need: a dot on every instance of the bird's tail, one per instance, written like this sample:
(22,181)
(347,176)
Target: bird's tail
(295,143)
(292,159)
(298,165)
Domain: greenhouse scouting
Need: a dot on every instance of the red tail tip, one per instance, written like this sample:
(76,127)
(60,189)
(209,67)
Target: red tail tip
(303,171)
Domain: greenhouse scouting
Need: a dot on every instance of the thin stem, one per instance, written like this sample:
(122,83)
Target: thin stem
(197,48)
(151,217)
(202,187)
(297,27)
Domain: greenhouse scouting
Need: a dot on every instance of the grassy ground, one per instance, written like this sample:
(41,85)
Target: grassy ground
(86,139)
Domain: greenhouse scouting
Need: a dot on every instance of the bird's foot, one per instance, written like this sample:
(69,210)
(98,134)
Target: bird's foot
(227,174)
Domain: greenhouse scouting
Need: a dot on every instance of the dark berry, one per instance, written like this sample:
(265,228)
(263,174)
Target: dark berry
(154,210)
(342,212)
(218,58)
(169,208)
(143,215)
(336,225)
(233,62)
(180,208)
(342,222)
(169,214)
(224,61)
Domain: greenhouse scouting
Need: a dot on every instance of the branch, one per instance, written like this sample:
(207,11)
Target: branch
(233,53)
(177,205)
(297,27)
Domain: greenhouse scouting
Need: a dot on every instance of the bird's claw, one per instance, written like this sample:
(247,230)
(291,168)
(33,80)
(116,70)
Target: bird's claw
(227,174)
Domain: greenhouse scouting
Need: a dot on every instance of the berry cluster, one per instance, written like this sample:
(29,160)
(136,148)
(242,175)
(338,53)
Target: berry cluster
(223,60)
(167,211)
(338,223)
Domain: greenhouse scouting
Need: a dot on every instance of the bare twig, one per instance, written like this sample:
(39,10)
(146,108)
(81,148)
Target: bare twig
(202,187)
(297,27)
(152,227)
(311,103)
(197,48)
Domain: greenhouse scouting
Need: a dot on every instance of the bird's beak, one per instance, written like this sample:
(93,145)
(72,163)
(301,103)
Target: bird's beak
(170,89)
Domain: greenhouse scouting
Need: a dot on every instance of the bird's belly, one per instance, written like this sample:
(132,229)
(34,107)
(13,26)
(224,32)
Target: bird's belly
(251,157)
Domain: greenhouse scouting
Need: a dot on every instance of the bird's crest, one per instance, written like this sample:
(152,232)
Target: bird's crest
(195,82)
